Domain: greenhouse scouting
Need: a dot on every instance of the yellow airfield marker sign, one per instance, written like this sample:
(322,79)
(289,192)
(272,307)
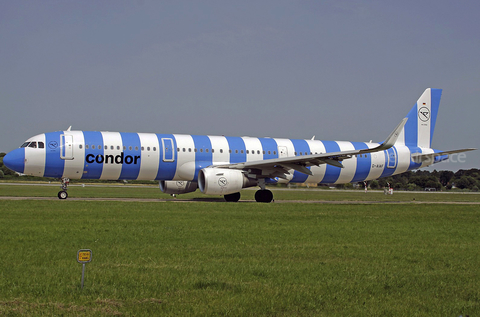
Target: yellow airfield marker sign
(84,256)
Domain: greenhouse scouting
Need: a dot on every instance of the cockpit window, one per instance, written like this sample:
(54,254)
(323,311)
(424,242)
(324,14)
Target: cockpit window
(34,144)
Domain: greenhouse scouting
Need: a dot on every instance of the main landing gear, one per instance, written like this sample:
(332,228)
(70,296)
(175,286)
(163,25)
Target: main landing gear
(63,193)
(261,196)
(232,197)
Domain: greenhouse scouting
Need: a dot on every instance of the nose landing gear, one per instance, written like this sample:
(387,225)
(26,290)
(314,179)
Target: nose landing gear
(63,193)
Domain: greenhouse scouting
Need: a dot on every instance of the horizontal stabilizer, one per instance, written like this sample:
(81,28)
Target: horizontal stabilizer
(421,158)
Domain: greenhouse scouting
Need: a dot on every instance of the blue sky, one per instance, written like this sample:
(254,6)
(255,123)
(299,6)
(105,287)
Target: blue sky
(340,70)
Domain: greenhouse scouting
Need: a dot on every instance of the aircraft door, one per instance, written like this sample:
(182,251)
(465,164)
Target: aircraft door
(282,151)
(391,158)
(66,148)
(168,151)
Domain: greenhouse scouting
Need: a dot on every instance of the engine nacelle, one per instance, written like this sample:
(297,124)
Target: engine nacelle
(177,187)
(222,181)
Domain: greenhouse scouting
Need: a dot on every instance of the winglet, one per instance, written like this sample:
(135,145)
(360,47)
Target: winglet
(392,138)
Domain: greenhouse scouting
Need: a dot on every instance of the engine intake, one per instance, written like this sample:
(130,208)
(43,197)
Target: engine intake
(222,181)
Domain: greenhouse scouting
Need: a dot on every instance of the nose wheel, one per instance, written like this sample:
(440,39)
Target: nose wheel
(63,193)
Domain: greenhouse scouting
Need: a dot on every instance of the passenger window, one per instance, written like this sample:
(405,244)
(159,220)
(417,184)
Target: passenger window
(206,150)
(148,148)
(93,147)
(154,148)
(221,150)
(80,146)
(106,147)
(274,152)
(86,146)
(118,147)
(111,147)
(189,149)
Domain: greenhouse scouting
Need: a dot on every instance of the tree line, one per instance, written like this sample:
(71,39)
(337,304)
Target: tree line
(411,180)
(435,180)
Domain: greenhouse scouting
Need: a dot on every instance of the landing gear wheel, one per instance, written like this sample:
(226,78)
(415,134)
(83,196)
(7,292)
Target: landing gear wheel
(263,196)
(62,194)
(232,197)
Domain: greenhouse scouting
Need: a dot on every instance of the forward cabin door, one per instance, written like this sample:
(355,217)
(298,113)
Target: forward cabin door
(66,148)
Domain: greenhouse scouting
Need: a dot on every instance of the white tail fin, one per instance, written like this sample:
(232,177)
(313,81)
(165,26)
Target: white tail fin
(418,130)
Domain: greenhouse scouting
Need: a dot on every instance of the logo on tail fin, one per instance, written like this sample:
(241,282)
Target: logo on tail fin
(424,114)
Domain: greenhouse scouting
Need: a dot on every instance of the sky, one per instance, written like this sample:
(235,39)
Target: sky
(339,70)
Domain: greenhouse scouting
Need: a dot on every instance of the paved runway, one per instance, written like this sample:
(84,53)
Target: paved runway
(221,200)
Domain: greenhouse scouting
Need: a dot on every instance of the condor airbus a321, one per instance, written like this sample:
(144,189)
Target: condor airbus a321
(220,165)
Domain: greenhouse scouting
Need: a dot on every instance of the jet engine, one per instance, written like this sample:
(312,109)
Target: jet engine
(177,187)
(222,181)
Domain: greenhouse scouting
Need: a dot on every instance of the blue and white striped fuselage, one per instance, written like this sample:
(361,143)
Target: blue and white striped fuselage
(148,156)
(222,165)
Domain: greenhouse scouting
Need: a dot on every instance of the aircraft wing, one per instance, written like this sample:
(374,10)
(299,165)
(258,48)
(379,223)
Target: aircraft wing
(420,158)
(279,167)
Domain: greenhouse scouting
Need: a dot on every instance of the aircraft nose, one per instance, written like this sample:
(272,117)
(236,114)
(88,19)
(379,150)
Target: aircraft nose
(15,160)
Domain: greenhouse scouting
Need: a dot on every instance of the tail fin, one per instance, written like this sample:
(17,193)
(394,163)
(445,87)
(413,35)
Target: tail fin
(418,130)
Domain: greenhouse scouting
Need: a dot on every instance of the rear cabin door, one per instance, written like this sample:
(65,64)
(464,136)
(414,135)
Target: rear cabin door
(391,158)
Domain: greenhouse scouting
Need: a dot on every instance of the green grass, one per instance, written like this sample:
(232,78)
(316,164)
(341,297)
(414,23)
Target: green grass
(239,259)
(215,258)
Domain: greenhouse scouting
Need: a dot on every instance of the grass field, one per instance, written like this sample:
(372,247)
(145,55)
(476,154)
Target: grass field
(215,258)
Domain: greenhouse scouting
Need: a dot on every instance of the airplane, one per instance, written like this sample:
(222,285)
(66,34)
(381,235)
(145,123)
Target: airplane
(222,165)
